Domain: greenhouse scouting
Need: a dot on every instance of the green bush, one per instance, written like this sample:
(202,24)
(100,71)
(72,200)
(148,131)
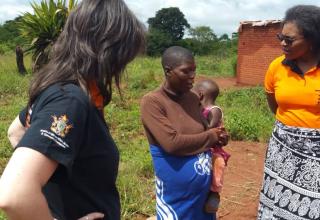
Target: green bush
(215,66)
(4,48)
(246,114)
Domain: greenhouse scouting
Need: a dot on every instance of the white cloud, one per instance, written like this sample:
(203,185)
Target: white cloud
(223,16)
(11,9)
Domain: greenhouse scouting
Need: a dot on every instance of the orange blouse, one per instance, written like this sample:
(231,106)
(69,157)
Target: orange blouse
(96,96)
(297,96)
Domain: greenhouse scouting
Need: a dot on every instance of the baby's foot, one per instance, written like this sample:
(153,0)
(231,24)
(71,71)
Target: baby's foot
(212,203)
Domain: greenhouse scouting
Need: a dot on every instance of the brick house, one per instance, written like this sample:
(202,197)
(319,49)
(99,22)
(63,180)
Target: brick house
(257,47)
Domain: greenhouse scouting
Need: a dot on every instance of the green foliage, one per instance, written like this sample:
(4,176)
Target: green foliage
(197,47)
(224,37)
(246,114)
(2,216)
(171,21)
(4,48)
(143,75)
(42,28)
(13,96)
(157,42)
(203,41)
(202,34)
(10,35)
(215,66)
(165,30)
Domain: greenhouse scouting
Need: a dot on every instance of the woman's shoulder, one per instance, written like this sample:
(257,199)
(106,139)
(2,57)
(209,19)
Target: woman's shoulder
(277,61)
(64,91)
(152,95)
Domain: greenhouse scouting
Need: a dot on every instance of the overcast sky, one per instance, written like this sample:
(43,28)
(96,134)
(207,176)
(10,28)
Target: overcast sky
(223,16)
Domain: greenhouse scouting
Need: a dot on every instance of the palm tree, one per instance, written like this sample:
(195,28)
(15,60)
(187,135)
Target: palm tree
(43,27)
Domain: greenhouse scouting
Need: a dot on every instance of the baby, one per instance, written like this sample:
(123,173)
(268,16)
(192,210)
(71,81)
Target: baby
(208,91)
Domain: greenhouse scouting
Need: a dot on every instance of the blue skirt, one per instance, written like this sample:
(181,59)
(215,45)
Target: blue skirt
(182,185)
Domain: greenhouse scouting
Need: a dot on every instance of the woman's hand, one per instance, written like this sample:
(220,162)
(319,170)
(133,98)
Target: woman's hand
(222,135)
(92,216)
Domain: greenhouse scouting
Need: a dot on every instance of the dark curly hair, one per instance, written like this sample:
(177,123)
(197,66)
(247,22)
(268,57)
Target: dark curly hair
(307,19)
(99,39)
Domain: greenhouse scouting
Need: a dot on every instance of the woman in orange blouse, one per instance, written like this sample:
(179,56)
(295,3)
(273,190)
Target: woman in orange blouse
(291,183)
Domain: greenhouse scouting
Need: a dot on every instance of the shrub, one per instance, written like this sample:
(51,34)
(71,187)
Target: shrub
(4,48)
(246,113)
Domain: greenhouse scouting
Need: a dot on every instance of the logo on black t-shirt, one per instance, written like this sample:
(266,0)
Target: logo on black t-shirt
(60,125)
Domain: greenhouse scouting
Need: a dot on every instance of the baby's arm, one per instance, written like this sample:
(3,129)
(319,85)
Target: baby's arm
(215,117)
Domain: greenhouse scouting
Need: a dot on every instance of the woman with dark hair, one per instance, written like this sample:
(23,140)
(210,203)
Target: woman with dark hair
(65,162)
(291,188)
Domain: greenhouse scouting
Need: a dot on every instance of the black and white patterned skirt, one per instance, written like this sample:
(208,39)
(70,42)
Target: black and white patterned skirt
(291,182)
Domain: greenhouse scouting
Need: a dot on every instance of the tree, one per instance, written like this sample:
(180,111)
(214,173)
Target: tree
(157,42)
(9,33)
(224,37)
(202,34)
(235,36)
(171,21)
(43,27)
(19,59)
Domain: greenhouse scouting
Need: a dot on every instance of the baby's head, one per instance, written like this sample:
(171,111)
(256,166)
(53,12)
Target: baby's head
(207,90)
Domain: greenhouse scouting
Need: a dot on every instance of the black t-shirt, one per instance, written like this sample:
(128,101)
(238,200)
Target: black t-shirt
(67,128)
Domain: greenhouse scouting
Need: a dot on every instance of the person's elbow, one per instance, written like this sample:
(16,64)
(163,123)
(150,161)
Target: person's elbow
(7,200)
(174,147)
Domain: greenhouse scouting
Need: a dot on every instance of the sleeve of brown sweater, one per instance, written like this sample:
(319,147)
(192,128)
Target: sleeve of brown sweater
(161,132)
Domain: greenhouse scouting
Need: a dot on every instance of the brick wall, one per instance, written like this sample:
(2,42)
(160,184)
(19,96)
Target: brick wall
(257,47)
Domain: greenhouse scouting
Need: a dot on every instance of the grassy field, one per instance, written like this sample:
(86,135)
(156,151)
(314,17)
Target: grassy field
(246,117)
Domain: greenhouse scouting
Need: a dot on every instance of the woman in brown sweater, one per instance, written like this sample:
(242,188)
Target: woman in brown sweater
(179,141)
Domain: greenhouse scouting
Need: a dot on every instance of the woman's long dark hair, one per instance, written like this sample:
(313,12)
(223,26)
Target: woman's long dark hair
(99,39)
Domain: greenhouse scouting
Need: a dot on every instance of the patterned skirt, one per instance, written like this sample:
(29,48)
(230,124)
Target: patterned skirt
(291,182)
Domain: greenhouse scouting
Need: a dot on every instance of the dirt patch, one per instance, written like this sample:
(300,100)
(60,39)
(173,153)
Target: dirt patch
(243,177)
(224,82)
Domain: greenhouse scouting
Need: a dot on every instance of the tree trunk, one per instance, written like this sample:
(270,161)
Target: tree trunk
(19,58)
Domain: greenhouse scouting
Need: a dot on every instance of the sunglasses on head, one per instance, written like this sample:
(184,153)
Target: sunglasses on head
(288,40)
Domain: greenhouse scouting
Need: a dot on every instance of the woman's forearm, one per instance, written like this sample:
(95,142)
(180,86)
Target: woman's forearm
(31,206)
(21,185)
(16,132)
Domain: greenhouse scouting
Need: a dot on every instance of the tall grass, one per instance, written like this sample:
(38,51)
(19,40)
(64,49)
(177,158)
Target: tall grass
(246,117)
(246,114)
(217,66)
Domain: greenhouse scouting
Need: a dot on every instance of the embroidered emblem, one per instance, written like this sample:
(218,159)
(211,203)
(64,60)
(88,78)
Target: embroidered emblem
(60,125)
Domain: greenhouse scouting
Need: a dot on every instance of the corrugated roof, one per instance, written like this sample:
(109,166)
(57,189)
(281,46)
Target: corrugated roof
(258,23)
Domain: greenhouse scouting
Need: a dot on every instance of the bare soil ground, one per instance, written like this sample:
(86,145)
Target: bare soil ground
(240,195)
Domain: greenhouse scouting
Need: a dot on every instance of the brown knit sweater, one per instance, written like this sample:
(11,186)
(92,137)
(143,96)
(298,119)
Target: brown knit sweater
(175,123)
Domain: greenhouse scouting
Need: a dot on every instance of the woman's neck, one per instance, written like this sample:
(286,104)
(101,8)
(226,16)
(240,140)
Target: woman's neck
(308,61)
(168,88)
